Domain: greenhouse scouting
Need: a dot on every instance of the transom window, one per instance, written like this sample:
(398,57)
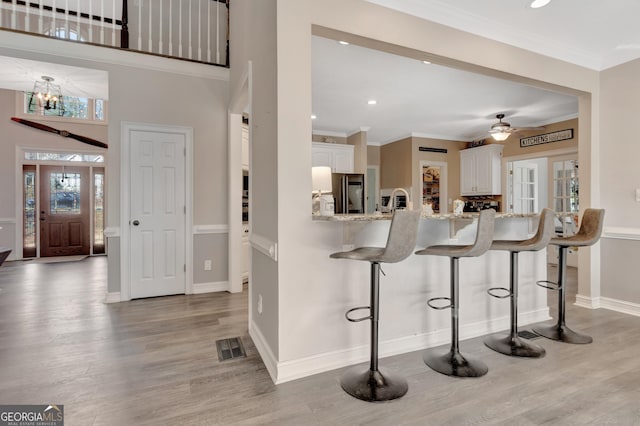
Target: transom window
(63,156)
(69,107)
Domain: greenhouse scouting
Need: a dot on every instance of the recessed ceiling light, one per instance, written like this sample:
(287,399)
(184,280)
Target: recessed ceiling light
(539,3)
(426,62)
(313,116)
(372,102)
(344,43)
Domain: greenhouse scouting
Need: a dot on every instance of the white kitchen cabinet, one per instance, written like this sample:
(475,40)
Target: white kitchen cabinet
(339,157)
(245,252)
(480,170)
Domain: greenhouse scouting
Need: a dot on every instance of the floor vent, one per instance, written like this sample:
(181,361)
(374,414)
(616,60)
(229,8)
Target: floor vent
(526,334)
(230,349)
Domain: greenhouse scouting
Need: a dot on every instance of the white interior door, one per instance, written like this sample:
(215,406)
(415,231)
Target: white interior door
(157,214)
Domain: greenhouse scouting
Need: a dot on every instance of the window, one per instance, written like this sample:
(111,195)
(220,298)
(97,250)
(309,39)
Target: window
(29,211)
(62,156)
(69,107)
(64,191)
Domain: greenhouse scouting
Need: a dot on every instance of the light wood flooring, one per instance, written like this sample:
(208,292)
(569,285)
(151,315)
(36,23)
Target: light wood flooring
(154,362)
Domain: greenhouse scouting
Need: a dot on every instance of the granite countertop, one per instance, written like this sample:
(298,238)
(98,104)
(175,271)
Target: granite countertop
(387,216)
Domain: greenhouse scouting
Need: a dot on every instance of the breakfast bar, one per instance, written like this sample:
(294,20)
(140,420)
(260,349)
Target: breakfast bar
(408,323)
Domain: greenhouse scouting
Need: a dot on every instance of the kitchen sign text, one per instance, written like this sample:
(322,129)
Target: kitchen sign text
(562,135)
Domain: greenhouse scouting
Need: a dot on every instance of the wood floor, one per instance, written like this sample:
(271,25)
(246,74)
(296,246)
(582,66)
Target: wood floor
(154,362)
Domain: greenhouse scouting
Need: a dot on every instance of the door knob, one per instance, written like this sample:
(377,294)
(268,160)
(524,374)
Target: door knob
(135,222)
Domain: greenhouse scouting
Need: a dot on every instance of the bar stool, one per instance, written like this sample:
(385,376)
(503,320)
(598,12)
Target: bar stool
(512,344)
(588,234)
(375,384)
(453,363)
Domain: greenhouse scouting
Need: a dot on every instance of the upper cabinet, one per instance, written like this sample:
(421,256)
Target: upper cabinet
(337,156)
(480,170)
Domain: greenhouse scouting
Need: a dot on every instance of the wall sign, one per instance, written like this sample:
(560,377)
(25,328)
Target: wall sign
(562,135)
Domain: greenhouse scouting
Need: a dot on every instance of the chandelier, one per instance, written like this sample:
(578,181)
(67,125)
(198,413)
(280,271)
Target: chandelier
(47,95)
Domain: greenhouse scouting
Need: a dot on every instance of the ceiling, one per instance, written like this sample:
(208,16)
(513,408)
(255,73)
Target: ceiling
(590,33)
(20,74)
(444,103)
(417,99)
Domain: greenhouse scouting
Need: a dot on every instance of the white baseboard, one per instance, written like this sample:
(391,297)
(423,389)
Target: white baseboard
(199,288)
(608,303)
(587,302)
(296,369)
(264,350)
(113,297)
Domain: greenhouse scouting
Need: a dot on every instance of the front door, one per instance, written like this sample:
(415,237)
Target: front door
(157,214)
(64,211)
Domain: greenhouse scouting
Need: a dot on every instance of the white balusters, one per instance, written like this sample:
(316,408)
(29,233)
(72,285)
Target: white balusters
(102,23)
(180,30)
(52,31)
(27,19)
(199,32)
(217,32)
(170,27)
(140,25)
(150,13)
(165,27)
(40,17)
(160,33)
(14,3)
(91,21)
(78,16)
(66,20)
(190,31)
(113,24)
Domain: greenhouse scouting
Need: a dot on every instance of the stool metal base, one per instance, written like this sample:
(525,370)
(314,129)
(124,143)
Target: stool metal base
(453,363)
(562,333)
(373,386)
(514,346)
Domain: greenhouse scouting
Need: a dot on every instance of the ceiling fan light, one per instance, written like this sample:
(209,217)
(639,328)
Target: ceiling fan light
(500,136)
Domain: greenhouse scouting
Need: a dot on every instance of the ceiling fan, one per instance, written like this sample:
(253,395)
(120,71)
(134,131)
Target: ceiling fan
(501,130)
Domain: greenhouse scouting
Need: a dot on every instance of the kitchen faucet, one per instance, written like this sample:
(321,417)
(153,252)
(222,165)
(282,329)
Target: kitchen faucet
(409,205)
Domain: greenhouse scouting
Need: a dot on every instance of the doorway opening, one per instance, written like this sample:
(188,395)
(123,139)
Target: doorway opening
(434,185)
(63,202)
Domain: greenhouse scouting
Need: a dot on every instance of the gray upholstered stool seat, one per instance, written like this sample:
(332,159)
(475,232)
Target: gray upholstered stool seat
(588,234)
(375,384)
(512,344)
(453,363)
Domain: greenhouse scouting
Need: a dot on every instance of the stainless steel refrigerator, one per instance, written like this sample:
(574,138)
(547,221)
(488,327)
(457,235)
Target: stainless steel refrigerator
(348,191)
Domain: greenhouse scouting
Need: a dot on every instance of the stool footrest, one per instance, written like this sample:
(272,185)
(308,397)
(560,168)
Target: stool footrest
(548,285)
(346,315)
(433,299)
(493,292)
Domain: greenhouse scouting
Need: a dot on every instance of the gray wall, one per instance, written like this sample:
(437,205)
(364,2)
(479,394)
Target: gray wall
(253,29)
(620,108)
